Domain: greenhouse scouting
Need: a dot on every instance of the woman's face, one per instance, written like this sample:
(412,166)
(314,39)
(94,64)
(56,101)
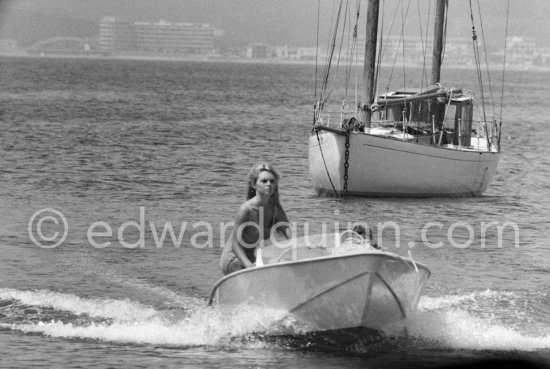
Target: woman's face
(266,183)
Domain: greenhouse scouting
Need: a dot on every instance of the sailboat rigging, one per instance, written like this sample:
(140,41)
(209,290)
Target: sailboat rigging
(405,142)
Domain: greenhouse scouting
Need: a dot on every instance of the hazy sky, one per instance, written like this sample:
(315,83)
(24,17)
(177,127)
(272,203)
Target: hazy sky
(277,22)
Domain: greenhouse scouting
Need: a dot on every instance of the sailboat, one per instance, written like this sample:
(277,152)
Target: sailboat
(404,143)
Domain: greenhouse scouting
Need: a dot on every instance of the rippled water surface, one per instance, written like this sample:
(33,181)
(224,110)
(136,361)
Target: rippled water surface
(136,145)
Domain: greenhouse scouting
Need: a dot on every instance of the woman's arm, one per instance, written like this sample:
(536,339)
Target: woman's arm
(242,217)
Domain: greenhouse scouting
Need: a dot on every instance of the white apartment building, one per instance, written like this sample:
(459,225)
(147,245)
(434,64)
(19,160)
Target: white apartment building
(155,38)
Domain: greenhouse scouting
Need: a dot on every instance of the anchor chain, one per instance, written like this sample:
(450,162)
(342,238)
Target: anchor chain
(346,163)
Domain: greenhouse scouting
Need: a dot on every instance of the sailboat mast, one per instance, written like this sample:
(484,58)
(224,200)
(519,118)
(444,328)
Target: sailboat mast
(370,59)
(439,30)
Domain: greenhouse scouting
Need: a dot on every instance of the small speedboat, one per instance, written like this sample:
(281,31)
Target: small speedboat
(334,282)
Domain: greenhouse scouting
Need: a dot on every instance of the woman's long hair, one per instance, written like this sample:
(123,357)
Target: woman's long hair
(253,177)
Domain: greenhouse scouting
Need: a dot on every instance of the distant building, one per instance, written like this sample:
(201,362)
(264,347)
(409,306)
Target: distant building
(160,38)
(543,56)
(418,52)
(521,51)
(299,53)
(309,53)
(257,51)
(116,35)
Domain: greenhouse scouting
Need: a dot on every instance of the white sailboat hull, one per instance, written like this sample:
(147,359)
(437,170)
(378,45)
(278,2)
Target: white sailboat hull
(380,166)
(366,291)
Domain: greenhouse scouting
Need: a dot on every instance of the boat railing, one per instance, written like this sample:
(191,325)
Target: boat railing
(451,132)
(336,118)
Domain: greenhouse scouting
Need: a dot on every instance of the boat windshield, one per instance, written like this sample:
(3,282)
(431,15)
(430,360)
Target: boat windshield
(314,246)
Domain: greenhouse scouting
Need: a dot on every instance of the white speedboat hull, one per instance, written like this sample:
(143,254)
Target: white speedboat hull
(368,289)
(380,166)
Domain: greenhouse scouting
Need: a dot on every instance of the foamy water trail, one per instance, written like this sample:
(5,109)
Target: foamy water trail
(133,322)
(105,308)
(202,328)
(452,321)
(434,303)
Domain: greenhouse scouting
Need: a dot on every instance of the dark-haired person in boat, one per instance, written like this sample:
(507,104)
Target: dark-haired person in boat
(261,214)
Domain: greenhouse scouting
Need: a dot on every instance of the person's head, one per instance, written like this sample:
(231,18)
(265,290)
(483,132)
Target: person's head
(255,174)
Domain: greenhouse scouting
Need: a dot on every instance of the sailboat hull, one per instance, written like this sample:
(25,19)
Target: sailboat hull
(380,166)
(363,292)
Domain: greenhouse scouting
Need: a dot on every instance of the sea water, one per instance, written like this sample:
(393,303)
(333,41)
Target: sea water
(117,151)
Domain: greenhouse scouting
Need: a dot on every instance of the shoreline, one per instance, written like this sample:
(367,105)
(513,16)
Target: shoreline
(242,60)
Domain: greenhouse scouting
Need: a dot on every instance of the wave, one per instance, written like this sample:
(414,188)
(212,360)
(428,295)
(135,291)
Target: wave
(129,321)
(105,308)
(463,321)
(486,320)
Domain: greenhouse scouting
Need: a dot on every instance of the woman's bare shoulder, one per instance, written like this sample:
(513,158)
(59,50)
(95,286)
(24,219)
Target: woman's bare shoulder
(245,208)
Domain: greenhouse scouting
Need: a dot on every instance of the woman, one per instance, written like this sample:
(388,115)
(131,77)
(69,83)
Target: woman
(255,220)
